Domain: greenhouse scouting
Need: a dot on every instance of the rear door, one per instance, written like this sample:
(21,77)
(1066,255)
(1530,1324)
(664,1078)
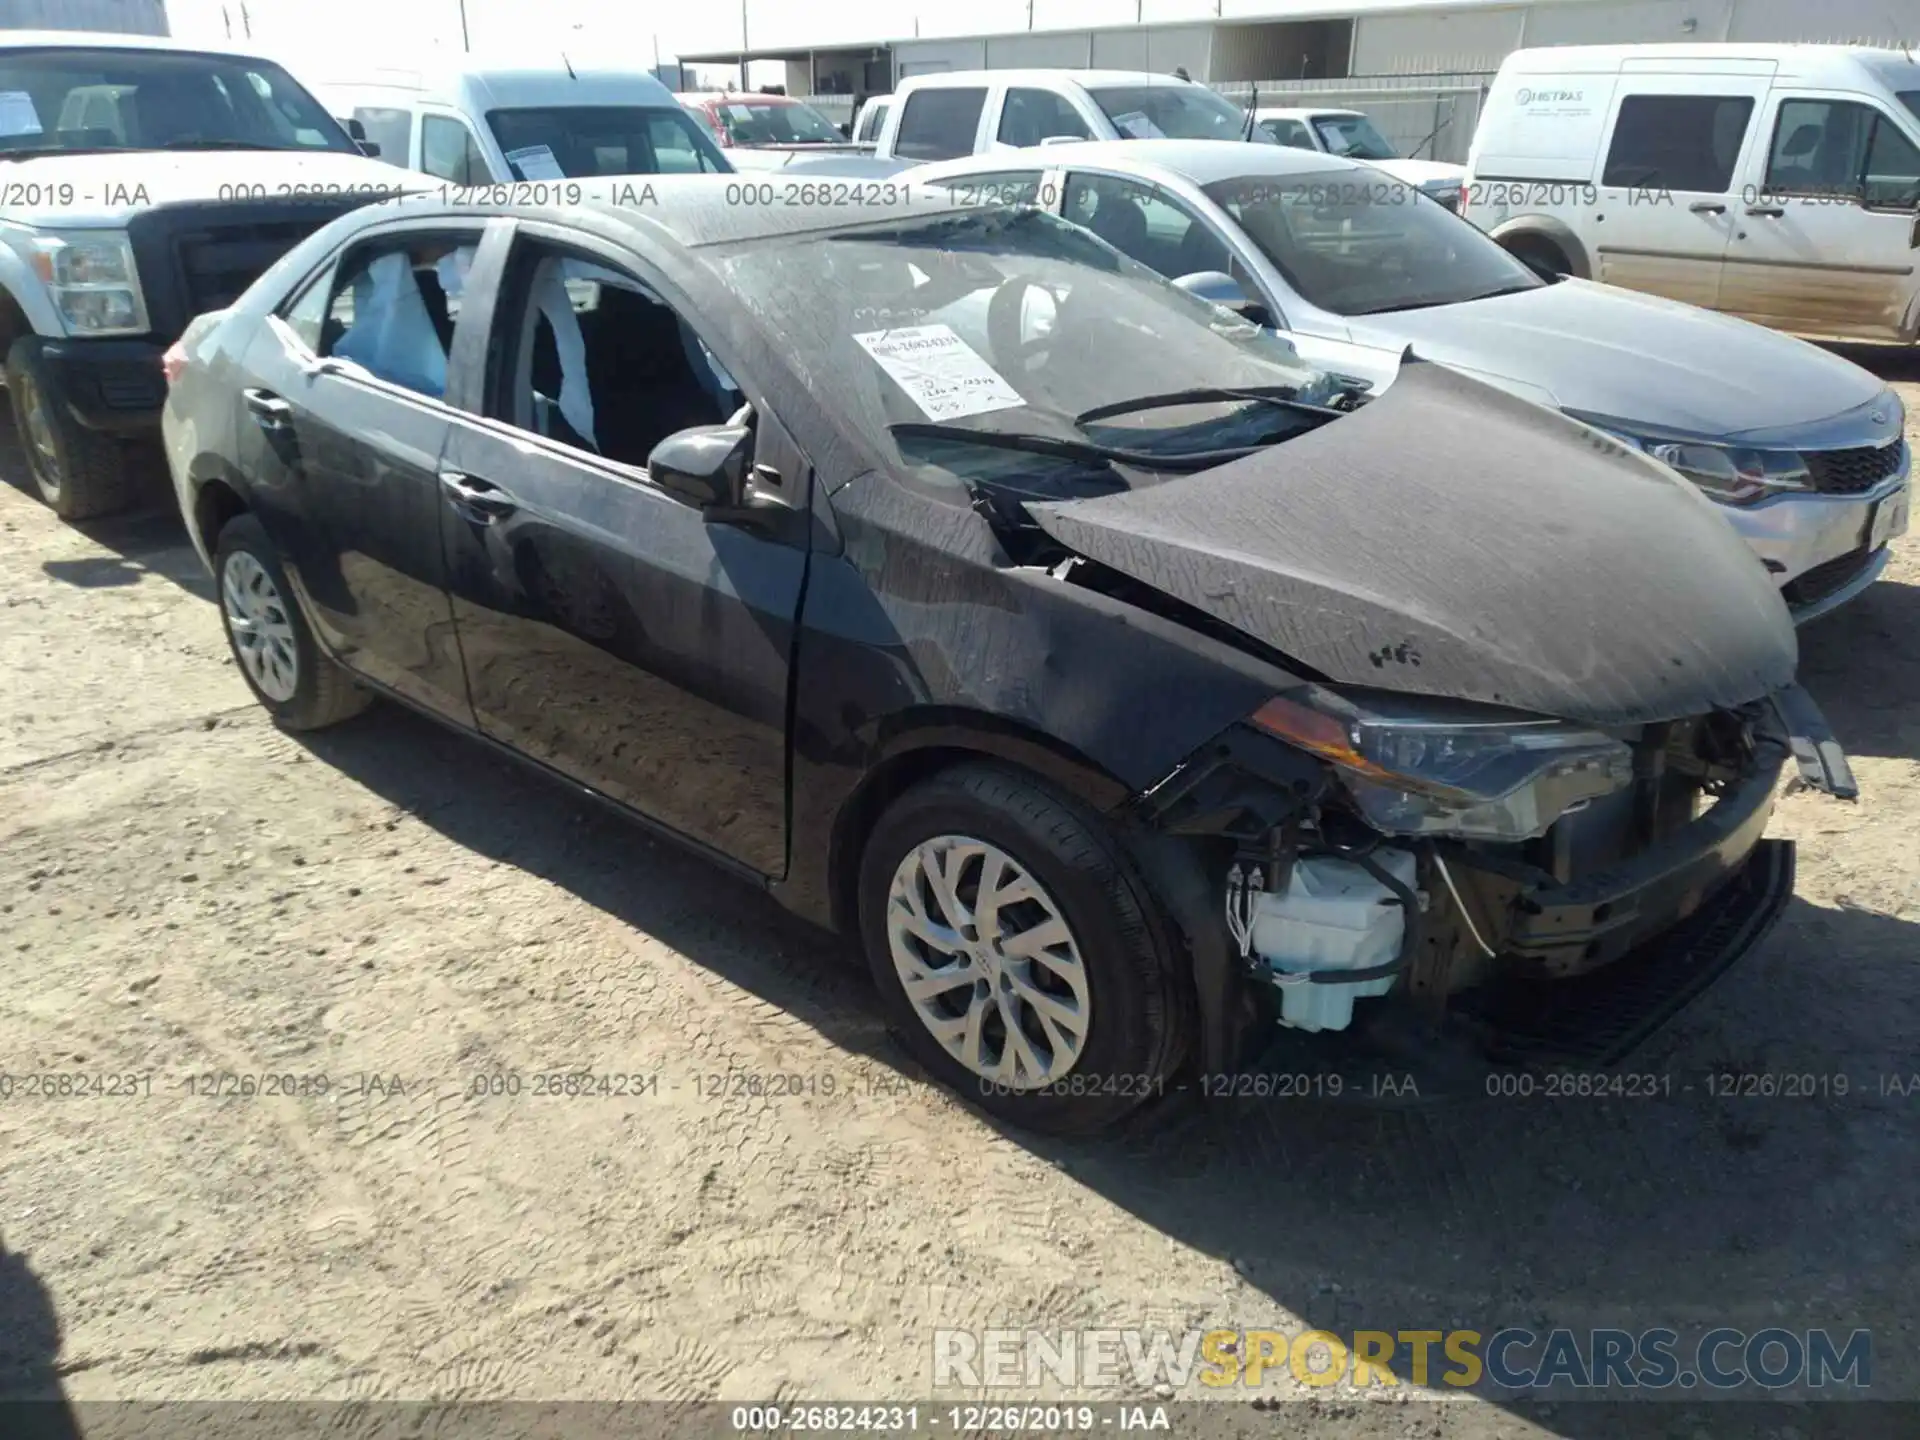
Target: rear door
(610,631)
(341,433)
(1668,182)
(1825,238)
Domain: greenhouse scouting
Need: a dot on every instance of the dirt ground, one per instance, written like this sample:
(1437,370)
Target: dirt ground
(392,912)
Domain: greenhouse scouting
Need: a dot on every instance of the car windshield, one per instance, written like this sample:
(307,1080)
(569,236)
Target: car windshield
(774,122)
(1171,112)
(1354,137)
(1364,246)
(104,99)
(579,141)
(1010,322)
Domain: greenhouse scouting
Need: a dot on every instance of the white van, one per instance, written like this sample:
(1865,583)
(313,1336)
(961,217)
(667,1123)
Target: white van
(480,124)
(1779,183)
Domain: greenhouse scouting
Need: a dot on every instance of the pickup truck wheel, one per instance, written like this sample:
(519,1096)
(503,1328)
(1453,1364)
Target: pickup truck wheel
(1018,959)
(80,473)
(301,688)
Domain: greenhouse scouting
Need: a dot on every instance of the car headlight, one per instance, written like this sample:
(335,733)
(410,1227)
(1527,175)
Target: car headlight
(1731,474)
(93,282)
(1417,766)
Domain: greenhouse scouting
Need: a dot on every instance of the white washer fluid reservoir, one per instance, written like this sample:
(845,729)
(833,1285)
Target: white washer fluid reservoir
(1333,915)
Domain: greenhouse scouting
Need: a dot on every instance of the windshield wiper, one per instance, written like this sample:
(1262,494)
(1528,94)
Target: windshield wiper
(32,152)
(1084,451)
(1278,395)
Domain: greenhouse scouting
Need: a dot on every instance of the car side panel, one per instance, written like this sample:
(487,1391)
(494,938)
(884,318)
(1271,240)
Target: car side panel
(907,644)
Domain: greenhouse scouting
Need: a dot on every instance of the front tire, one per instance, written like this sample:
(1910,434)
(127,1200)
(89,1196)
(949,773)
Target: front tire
(80,473)
(1018,958)
(300,687)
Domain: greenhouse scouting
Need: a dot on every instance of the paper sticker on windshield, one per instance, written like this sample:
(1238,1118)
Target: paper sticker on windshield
(1136,125)
(740,112)
(17,115)
(536,162)
(940,372)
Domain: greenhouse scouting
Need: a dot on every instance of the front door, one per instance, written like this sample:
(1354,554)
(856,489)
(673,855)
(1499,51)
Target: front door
(1667,196)
(611,631)
(1825,241)
(343,423)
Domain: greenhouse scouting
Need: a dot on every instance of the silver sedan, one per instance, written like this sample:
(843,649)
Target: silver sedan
(1804,450)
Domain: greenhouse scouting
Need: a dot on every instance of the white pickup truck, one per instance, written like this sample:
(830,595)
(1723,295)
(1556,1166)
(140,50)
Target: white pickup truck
(142,182)
(972,112)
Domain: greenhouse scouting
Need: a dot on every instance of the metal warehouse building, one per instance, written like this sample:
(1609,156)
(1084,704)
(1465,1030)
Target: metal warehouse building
(1419,69)
(126,17)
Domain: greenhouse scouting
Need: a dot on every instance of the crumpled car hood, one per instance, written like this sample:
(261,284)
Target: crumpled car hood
(1449,539)
(1639,358)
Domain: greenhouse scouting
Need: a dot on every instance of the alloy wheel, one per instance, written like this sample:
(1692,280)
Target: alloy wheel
(44,452)
(262,633)
(988,962)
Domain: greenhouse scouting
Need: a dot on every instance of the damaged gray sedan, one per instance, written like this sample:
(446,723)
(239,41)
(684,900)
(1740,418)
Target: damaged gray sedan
(1131,731)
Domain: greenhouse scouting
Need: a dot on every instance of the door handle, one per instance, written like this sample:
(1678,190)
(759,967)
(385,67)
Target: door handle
(482,499)
(1774,211)
(268,408)
(1709,207)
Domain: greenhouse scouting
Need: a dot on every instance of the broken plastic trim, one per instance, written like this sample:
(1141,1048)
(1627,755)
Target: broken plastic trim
(1822,763)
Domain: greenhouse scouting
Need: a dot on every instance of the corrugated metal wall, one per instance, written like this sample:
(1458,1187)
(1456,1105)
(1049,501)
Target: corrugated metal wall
(125,17)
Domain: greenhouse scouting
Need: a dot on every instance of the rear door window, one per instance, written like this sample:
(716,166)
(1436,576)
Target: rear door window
(939,124)
(1291,133)
(1678,142)
(393,309)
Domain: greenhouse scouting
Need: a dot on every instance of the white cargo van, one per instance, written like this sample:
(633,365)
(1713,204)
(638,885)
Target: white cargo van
(480,124)
(1774,182)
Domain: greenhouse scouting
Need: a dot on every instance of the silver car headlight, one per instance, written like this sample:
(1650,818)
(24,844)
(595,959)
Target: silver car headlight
(93,282)
(1731,474)
(1420,766)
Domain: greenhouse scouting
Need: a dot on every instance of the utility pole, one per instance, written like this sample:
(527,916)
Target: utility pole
(464,45)
(745,45)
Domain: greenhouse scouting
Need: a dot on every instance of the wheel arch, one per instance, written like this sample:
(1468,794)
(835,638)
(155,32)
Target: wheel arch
(218,496)
(936,740)
(1555,232)
(25,308)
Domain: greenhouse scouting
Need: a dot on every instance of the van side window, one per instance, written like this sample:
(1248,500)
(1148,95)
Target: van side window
(389,128)
(1031,116)
(939,124)
(448,150)
(1678,142)
(1837,148)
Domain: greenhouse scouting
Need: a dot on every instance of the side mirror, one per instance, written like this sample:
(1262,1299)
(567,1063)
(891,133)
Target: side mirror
(705,466)
(1217,288)
(1913,236)
(369,148)
(355,130)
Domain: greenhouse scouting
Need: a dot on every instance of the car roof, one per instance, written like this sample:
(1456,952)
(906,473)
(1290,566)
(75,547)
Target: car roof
(1200,161)
(99,40)
(1809,63)
(475,88)
(1297,112)
(700,210)
(733,97)
(1087,79)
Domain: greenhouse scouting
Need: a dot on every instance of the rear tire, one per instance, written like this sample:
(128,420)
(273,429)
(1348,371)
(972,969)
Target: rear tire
(1105,1012)
(80,473)
(278,657)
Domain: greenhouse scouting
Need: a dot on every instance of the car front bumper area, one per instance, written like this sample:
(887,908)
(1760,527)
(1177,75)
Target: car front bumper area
(1825,549)
(110,385)
(1590,969)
